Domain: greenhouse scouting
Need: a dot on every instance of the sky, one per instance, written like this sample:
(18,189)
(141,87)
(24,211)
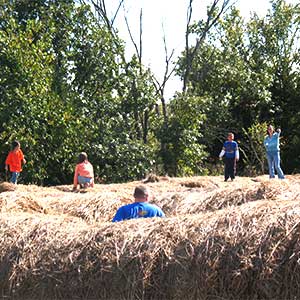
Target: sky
(168,17)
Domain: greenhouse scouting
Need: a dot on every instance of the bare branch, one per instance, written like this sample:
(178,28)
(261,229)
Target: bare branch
(189,12)
(160,86)
(100,8)
(209,23)
(141,34)
(138,49)
(131,36)
(168,59)
(116,13)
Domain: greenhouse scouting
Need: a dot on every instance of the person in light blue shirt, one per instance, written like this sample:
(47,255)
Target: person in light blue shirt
(271,143)
(140,208)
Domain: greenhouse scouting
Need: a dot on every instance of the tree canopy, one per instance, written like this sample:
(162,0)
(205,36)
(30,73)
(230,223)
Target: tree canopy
(66,87)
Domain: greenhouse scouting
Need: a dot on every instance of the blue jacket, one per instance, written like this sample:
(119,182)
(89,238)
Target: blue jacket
(230,148)
(272,143)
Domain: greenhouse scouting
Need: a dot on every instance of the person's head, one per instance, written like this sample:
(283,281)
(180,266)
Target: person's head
(230,136)
(15,145)
(141,194)
(270,130)
(82,157)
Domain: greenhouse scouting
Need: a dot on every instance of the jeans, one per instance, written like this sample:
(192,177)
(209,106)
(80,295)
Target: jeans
(14,177)
(230,166)
(274,161)
(83,180)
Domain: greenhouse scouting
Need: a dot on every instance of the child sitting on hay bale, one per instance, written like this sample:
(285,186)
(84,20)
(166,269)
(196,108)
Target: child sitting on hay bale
(231,151)
(84,172)
(140,208)
(14,161)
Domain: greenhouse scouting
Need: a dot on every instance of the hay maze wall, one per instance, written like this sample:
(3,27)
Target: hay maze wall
(234,240)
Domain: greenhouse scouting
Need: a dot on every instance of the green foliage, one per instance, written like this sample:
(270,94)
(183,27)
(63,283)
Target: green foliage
(253,150)
(249,73)
(181,152)
(65,88)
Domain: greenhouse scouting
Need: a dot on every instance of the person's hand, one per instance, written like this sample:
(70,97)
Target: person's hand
(6,168)
(278,130)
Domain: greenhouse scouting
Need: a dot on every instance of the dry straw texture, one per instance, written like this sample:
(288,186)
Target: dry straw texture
(233,240)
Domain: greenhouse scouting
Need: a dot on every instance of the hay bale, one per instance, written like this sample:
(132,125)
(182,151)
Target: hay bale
(7,187)
(29,204)
(170,204)
(151,178)
(23,203)
(194,184)
(236,195)
(236,240)
(235,254)
(206,183)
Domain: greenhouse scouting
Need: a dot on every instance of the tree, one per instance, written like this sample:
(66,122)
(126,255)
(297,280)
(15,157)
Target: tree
(183,154)
(68,83)
(253,149)
(280,45)
(201,28)
(249,71)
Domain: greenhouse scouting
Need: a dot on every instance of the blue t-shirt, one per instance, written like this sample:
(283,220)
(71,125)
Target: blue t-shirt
(272,143)
(230,147)
(137,210)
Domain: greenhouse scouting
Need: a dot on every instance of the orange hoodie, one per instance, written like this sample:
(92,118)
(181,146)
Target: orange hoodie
(14,160)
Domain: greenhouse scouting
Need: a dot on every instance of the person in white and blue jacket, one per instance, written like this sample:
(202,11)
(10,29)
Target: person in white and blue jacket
(231,152)
(271,143)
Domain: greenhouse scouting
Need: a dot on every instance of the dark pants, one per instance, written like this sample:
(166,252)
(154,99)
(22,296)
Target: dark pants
(229,168)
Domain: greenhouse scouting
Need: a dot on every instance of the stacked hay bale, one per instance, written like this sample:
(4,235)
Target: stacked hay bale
(7,186)
(247,248)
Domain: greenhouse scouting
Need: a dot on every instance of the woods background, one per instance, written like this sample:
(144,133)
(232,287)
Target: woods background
(66,87)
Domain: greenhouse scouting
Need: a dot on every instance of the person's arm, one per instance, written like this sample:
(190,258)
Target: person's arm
(278,132)
(23,160)
(7,161)
(237,154)
(92,182)
(161,213)
(75,180)
(222,153)
(119,215)
(92,173)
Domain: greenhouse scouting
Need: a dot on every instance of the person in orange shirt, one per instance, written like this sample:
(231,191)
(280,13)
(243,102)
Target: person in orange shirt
(14,161)
(84,172)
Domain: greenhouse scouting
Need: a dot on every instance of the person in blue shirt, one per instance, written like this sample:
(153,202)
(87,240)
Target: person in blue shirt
(271,143)
(140,208)
(231,151)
